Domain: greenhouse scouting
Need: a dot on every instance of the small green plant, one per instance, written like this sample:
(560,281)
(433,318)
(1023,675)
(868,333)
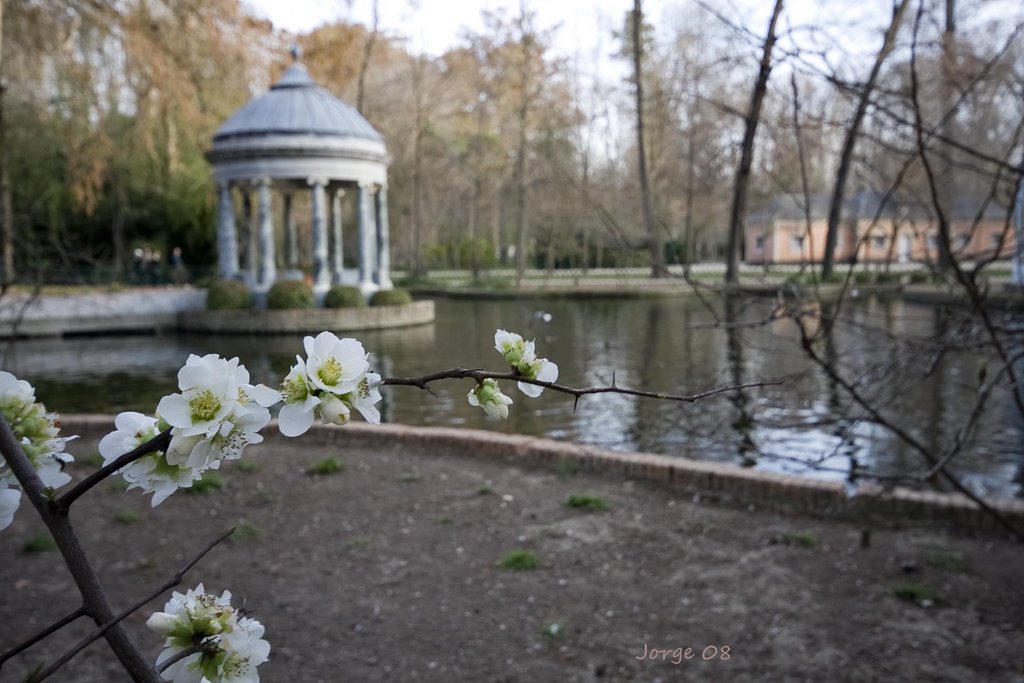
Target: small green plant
(485,490)
(920,276)
(553,631)
(444,520)
(410,477)
(224,295)
(127,517)
(209,482)
(40,543)
(493,282)
(344,296)
(329,465)
(914,591)
(804,539)
(359,541)
(119,485)
(587,501)
(519,560)
(290,295)
(390,297)
(247,466)
(246,532)
(947,560)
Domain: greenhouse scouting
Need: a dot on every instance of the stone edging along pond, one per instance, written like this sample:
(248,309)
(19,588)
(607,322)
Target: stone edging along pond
(713,482)
(261,321)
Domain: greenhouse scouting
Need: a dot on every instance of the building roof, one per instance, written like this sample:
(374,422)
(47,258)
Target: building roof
(866,203)
(296,105)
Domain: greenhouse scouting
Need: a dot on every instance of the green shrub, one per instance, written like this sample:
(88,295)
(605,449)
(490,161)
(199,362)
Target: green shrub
(920,276)
(344,296)
(587,501)
(519,561)
(889,278)
(863,277)
(224,295)
(390,297)
(290,295)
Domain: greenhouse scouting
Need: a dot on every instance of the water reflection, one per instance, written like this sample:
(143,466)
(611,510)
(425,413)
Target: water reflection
(666,345)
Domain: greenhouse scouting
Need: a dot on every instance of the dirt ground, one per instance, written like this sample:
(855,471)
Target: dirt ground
(388,571)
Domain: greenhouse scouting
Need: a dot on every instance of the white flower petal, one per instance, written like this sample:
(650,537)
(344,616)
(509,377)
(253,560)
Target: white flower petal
(294,419)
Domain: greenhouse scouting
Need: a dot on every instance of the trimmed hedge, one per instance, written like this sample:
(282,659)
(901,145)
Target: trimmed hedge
(344,296)
(390,297)
(224,295)
(290,295)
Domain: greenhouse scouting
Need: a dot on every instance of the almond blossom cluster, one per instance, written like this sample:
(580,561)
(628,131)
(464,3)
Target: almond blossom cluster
(522,358)
(217,414)
(330,383)
(226,647)
(38,433)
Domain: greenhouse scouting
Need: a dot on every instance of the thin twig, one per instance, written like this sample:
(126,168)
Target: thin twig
(52,628)
(178,656)
(157,443)
(99,632)
(479,375)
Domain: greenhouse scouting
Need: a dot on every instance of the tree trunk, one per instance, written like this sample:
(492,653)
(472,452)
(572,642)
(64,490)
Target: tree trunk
(364,65)
(946,159)
(520,164)
(654,238)
(5,181)
(691,182)
(739,197)
(852,132)
(418,267)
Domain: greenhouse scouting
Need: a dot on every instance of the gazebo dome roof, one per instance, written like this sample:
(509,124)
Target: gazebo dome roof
(298,131)
(296,105)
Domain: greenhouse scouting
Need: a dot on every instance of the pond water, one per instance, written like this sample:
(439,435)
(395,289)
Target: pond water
(805,425)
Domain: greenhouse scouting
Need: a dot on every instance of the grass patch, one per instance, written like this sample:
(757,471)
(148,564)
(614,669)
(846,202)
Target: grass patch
(444,520)
(359,541)
(947,560)
(553,631)
(208,483)
(246,532)
(485,490)
(519,560)
(410,477)
(804,539)
(247,465)
(587,501)
(265,497)
(127,517)
(329,465)
(40,543)
(119,485)
(914,591)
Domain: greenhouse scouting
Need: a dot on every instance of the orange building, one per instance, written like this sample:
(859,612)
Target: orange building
(873,232)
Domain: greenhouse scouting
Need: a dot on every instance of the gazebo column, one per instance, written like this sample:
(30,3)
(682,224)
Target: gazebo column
(267,265)
(337,246)
(291,235)
(367,237)
(321,274)
(383,274)
(248,251)
(227,239)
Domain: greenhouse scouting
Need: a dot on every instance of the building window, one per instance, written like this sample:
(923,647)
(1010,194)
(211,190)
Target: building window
(797,241)
(933,242)
(759,242)
(878,241)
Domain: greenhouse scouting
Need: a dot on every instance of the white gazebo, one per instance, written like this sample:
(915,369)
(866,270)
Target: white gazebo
(299,138)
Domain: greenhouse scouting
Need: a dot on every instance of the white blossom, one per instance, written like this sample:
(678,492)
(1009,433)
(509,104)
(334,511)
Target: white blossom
(10,499)
(330,383)
(230,647)
(522,357)
(152,473)
(487,395)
